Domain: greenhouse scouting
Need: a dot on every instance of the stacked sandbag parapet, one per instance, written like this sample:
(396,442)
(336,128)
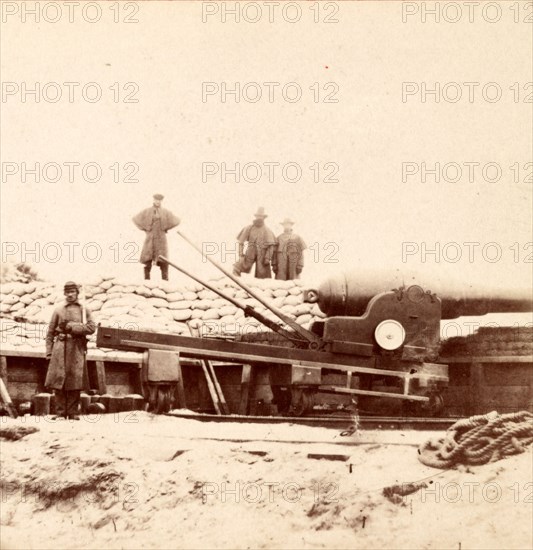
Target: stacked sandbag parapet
(159,306)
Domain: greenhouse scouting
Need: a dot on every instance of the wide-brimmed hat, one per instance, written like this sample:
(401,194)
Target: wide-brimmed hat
(158,197)
(261,213)
(71,285)
(287,221)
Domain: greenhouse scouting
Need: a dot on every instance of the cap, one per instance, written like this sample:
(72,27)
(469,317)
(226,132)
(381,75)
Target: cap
(71,285)
(158,197)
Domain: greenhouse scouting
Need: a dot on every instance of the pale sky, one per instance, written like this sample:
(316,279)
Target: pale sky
(363,220)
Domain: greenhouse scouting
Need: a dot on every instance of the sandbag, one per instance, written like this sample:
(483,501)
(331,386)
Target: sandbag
(181,314)
(227,310)
(202,304)
(302,309)
(304,319)
(210,314)
(157,302)
(207,295)
(27,299)
(117,288)
(280,293)
(183,304)
(10,299)
(158,293)
(143,291)
(19,289)
(95,305)
(174,297)
(291,300)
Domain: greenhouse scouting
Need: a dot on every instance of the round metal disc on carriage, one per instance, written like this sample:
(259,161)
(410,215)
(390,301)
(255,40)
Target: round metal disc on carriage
(415,293)
(390,334)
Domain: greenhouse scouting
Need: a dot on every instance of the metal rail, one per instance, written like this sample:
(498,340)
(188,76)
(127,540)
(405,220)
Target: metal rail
(334,422)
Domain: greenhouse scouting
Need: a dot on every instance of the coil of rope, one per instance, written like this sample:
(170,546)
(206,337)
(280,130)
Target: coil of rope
(479,440)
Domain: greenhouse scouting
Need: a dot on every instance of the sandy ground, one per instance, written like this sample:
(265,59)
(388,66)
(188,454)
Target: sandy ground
(136,480)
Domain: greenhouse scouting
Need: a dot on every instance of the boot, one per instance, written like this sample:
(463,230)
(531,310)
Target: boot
(164,272)
(147,269)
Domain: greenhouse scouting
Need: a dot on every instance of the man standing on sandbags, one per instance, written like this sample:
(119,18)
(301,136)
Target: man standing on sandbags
(261,242)
(66,348)
(155,222)
(288,260)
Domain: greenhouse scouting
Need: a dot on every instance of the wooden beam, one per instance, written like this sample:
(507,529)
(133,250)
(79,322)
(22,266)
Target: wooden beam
(487,359)
(3,369)
(6,400)
(136,380)
(475,387)
(339,389)
(222,400)
(180,390)
(207,351)
(100,377)
(245,388)
(211,387)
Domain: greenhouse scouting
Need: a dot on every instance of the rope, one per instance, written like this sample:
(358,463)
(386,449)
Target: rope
(479,440)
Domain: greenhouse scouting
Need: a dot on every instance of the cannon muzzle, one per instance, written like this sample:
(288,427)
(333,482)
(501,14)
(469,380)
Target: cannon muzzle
(348,294)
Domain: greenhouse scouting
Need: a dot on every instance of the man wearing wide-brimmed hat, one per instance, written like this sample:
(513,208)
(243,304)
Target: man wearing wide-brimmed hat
(288,260)
(155,222)
(260,247)
(66,348)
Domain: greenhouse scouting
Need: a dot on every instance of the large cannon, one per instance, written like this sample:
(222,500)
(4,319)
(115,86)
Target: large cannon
(382,333)
(350,293)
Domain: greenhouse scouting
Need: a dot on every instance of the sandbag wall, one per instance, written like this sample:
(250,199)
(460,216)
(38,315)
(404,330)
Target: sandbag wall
(153,306)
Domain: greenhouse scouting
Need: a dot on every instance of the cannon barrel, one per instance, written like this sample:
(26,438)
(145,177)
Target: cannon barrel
(349,294)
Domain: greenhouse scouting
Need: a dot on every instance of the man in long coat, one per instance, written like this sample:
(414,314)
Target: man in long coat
(155,221)
(288,260)
(261,242)
(66,348)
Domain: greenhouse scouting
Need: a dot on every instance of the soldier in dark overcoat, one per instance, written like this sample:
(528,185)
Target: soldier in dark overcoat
(288,260)
(260,241)
(66,348)
(155,222)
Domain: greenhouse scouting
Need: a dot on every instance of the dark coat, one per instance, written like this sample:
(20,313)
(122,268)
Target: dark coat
(261,242)
(288,260)
(67,350)
(155,222)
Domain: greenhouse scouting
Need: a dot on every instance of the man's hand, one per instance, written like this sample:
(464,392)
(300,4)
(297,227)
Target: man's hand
(266,260)
(299,269)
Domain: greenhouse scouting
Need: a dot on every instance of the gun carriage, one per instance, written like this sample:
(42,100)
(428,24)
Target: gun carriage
(382,334)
